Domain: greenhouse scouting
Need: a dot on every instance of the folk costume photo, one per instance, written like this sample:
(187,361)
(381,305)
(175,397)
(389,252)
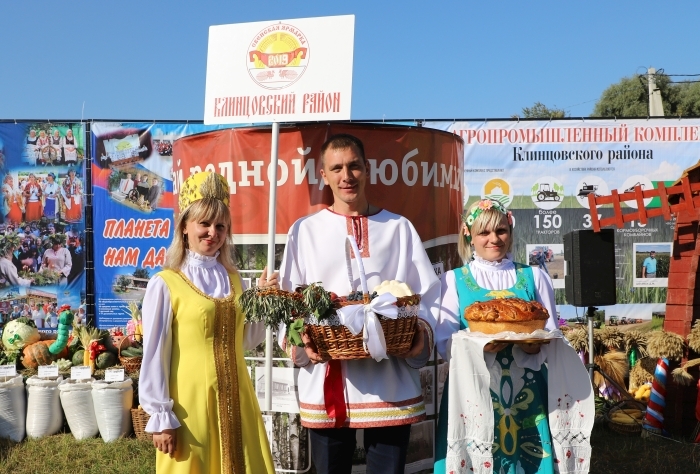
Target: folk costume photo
(507,408)
(337,396)
(195,385)
(72,195)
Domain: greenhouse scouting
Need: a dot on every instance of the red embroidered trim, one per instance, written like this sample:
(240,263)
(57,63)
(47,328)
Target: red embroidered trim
(361,406)
(358,227)
(366,424)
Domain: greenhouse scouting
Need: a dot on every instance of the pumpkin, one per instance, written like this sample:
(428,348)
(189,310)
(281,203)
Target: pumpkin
(38,354)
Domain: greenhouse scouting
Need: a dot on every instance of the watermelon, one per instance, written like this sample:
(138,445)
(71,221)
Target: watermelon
(105,360)
(78,358)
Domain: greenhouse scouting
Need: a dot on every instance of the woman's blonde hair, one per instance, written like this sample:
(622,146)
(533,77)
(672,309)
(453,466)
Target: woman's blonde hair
(489,219)
(207,209)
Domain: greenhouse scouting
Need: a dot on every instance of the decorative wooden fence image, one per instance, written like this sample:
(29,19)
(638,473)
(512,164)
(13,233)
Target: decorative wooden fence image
(687,190)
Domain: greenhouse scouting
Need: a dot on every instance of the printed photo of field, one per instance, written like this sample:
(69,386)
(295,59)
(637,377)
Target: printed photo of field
(662,255)
(550,259)
(650,257)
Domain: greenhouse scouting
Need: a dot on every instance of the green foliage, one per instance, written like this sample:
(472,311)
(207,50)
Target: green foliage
(630,98)
(539,110)
(42,278)
(141,273)
(8,243)
(689,100)
(9,357)
(123,282)
(318,301)
(271,306)
(114,179)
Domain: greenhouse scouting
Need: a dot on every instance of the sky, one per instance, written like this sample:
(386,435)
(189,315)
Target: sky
(146,60)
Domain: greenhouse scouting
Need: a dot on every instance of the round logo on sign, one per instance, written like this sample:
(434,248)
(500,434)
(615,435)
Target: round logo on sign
(499,190)
(547,192)
(631,183)
(590,185)
(278,56)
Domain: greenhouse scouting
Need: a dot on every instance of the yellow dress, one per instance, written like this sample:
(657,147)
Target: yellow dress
(222,429)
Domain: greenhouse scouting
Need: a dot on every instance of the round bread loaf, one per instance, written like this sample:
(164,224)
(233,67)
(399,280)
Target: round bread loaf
(506,314)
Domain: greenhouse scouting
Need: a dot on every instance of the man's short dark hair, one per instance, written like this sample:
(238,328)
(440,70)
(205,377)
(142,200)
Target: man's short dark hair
(342,141)
(652,251)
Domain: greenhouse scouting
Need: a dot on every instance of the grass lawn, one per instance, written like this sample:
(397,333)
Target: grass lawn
(62,454)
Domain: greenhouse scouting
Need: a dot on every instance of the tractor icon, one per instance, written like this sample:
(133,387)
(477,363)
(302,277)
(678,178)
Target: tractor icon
(545,193)
(631,188)
(587,189)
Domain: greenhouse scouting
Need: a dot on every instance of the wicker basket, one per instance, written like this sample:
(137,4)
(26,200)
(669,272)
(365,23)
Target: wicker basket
(140,419)
(629,429)
(337,342)
(130,364)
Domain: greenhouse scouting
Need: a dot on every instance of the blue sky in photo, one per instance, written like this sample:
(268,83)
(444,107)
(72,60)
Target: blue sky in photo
(146,60)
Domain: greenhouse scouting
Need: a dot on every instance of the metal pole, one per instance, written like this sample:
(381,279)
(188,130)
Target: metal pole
(272,211)
(591,313)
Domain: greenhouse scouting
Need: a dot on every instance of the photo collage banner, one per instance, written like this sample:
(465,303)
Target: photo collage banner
(42,223)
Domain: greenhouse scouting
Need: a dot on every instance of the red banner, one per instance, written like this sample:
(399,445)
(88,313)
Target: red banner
(416,172)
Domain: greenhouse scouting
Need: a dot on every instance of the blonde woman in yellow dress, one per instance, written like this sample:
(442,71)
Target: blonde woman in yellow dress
(194,381)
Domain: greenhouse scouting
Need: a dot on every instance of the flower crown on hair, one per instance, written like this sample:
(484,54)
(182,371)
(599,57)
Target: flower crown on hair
(481,206)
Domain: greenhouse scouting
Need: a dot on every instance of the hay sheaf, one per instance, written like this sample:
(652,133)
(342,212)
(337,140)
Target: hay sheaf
(578,338)
(614,364)
(662,344)
(636,340)
(611,337)
(642,372)
(694,337)
(681,375)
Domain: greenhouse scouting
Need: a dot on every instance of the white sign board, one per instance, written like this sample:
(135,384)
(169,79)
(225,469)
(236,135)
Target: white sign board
(114,375)
(280,71)
(8,371)
(81,372)
(48,371)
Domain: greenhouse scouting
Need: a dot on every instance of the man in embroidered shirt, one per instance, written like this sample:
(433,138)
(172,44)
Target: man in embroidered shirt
(336,397)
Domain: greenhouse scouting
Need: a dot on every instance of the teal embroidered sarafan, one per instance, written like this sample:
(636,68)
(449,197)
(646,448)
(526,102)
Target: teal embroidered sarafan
(522,440)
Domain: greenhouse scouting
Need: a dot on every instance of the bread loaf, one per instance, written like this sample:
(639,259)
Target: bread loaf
(506,314)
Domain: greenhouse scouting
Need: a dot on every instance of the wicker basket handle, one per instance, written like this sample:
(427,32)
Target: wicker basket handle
(360,266)
(119,349)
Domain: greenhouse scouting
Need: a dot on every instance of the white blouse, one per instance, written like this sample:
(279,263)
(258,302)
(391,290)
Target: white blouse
(491,276)
(210,277)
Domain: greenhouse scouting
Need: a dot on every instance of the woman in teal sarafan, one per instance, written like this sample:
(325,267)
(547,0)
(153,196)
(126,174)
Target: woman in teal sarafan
(521,440)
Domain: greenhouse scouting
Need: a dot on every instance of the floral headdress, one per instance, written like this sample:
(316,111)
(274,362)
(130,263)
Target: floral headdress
(203,185)
(481,206)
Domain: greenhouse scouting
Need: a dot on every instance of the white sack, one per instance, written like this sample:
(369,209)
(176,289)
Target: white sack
(76,399)
(44,412)
(113,401)
(13,408)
